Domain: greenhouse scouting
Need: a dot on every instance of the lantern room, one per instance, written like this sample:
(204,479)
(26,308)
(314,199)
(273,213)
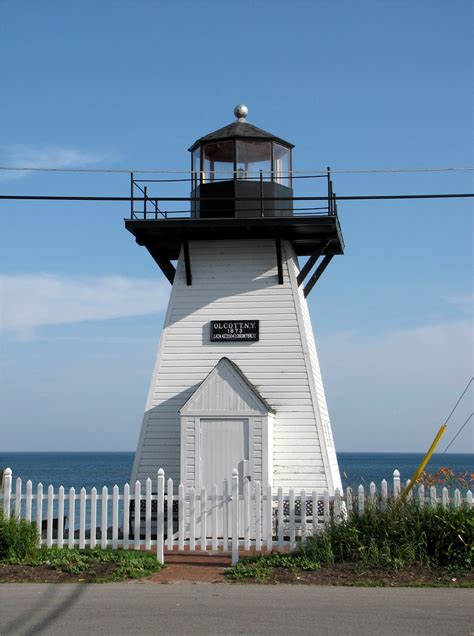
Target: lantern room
(241,171)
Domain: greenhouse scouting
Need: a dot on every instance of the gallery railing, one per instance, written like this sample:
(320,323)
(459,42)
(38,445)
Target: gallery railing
(146,205)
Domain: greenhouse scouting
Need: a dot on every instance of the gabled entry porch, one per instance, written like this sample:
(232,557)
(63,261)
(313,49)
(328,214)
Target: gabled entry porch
(226,424)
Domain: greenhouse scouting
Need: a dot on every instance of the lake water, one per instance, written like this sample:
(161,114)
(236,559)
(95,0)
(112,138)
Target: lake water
(107,469)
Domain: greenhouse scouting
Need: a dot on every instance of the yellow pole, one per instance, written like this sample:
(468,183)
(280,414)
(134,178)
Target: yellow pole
(425,460)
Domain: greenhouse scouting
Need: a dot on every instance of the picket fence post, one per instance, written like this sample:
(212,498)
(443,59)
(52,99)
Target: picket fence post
(225,515)
(169,513)
(7,491)
(192,519)
(469,497)
(361,500)
(215,517)
(29,499)
(103,509)
(303,515)
(258,516)
(445,497)
(383,494)
(235,516)
(281,529)
(327,511)
(60,513)
(337,506)
(160,516)
(126,517)
(115,496)
(421,495)
(93,540)
(457,498)
(292,519)
(148,514)
(203,519)
(138,512)
(49,516)
(246,485)
(181,529)
(316,511)
(373,493)
(18,498)
(82,519)
(39,511)
(433,497)
(269,513)
(349,505)
(396,483)
(71,516)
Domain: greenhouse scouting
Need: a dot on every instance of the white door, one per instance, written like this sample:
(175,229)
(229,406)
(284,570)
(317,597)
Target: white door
(224,446)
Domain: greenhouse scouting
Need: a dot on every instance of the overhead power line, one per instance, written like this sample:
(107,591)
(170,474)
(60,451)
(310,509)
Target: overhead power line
(313,172)
(375,197)
(452,411)
(459,399)
(457,434)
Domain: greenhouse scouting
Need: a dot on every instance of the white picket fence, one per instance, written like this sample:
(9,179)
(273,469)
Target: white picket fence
(259,519)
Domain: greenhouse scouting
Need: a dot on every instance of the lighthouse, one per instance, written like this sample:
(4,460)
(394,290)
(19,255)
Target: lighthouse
(236,381)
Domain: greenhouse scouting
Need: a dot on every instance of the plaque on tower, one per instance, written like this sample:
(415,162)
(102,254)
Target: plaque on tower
(234,330)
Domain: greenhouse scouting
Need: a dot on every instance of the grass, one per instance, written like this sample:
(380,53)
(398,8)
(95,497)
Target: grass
(260,567)
(18,538)
(93,565)
(401,536)
(19,547)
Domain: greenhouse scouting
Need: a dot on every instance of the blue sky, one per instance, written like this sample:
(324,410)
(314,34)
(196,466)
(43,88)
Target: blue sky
(354,85)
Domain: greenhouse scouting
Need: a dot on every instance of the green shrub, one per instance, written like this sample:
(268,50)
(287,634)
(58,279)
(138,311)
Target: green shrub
(403,534)
(18,539)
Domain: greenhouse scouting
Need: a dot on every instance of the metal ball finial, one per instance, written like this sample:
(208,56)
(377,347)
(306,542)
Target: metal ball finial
(241,111)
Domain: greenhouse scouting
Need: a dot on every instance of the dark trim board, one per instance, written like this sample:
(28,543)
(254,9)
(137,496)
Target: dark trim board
(165,237)
(317,274)
(164,263)
(310,262)
(279,261)
(187,263)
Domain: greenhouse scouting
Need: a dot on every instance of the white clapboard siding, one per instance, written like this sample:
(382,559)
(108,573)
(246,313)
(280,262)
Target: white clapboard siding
(239,280)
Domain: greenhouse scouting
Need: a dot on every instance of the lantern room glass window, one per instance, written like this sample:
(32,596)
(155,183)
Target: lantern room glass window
(218,161)
(281,165)
(253,157)
(241,159)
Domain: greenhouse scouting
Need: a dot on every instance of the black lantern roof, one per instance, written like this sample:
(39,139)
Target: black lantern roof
(240,129)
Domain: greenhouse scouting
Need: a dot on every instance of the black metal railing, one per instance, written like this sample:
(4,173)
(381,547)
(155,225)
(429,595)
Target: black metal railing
(145,206)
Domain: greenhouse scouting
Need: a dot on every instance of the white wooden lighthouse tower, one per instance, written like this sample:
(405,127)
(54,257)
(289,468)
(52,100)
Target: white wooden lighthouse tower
(236,381)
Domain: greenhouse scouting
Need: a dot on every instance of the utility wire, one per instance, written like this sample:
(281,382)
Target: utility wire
(316,172)
(460,430)
(462,395)
(452,411)
(376,197)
